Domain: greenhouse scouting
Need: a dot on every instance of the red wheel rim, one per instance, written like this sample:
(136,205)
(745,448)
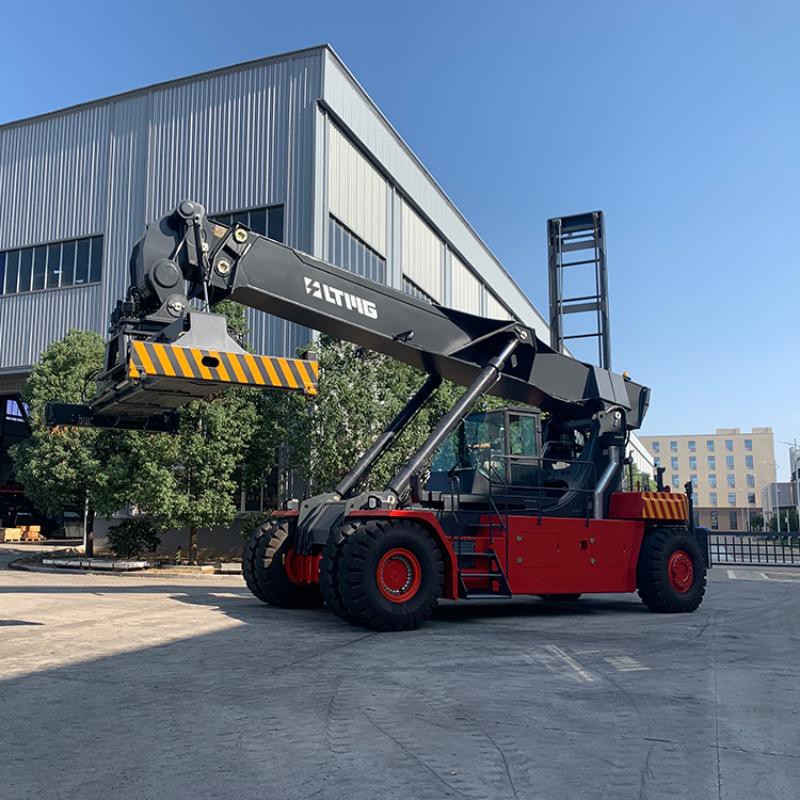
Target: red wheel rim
(399,575)
(293,566)
(681,571)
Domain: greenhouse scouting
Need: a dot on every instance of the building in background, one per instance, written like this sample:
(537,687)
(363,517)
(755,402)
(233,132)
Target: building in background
(291,146)
(728,470)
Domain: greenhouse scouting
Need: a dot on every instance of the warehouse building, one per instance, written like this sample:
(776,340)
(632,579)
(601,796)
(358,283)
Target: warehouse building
(291,146)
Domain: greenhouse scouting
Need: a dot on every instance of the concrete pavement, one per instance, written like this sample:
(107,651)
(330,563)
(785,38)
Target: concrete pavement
(129,687)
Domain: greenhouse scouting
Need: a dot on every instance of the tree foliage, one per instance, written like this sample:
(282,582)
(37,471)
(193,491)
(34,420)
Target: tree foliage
(360,392)
(792,519)
(191,479)
(57,467)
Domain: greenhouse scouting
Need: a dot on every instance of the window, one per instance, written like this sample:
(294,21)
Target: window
(52,266)
(751,499)
(715,520)
(674,462)
(729,462)
(656,447)
(733,518)
(748,462)
(692,462)
(712,481)
(710,445)
(676,482)
(657,461)
(748,444)
(693,479)
(268,220)
(692,446)
(751,481)
(345,249)
(673,446)
(712,498)
(731,498)
(731,481)
(712,462)
(729,445)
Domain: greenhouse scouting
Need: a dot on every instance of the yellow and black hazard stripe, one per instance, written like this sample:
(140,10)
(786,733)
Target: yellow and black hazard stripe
(665,505)
(153,359)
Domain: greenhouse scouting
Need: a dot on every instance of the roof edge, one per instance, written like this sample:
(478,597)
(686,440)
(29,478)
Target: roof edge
(112,98)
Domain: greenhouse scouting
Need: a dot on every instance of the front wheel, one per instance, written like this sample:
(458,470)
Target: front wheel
(265,557)
(390,575)
(671,573)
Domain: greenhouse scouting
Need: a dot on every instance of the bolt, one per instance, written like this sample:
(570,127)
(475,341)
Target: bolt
(223,266)
(240,235)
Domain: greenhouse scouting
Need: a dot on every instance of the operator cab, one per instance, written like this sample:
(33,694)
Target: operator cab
(503,458)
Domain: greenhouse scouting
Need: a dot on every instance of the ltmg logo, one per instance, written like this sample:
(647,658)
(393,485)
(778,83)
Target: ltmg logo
(336,297)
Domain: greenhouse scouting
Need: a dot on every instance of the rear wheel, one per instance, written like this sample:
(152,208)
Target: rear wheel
(671,573)
(329,574)
(390,575)
(264,567)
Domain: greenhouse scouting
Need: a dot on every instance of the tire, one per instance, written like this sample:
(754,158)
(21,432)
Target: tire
(390,575)
(671,573)
(559,598)
(252,557)
(263,567)
(329,574)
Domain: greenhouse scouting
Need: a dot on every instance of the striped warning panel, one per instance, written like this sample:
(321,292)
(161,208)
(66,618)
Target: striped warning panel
(665,505)
(649,505)
(153,359)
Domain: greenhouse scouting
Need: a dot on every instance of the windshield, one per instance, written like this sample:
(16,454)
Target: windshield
(480,442)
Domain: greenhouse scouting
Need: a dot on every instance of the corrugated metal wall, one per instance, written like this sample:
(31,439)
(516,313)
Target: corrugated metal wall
(357,194)
(465,288)
(350,104)
(239,139)
(345,250)
(421,253)
(493,308)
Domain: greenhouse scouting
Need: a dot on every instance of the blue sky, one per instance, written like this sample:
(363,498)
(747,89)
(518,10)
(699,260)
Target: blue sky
(680,120)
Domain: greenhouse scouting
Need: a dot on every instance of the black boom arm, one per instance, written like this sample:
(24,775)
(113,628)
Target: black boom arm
(221,262)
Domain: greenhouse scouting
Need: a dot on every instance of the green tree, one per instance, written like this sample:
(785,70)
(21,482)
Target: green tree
(188,479)
(642,482)
(359,394)
(792,514)
(757,522)
(59,468)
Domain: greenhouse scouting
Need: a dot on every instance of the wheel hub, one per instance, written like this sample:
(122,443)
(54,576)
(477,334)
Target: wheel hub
(398,575)
(680,571)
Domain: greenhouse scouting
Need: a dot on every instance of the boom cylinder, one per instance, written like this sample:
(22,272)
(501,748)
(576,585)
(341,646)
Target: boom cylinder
(395,427)
(486,378)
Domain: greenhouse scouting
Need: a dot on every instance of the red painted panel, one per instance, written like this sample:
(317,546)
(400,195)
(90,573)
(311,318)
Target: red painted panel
(563,556)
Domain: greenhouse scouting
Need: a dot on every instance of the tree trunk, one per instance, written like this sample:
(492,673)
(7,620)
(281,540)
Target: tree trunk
(88,527)
(193,544)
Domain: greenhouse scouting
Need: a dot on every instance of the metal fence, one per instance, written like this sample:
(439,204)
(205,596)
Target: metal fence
(755,549)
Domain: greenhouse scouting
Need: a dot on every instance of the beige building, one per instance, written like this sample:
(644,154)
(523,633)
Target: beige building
(728,470)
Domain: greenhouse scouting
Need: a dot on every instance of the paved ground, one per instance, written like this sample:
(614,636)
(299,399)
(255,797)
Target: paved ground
(124,687)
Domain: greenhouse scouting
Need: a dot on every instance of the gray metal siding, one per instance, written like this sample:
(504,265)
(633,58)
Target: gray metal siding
(346,250)
(347,101)
(240,139)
